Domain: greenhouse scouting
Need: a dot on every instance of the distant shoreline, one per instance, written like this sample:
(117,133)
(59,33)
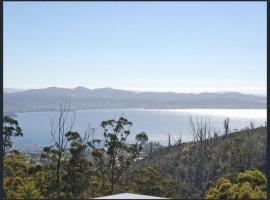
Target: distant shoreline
(38,111)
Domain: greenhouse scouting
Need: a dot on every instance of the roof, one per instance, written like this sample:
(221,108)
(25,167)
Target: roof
(129,196)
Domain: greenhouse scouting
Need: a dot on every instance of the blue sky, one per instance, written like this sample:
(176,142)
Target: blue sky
(158,46)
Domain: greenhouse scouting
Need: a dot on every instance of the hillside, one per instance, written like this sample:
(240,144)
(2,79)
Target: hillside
(181,170)
(224,156)
(84,98)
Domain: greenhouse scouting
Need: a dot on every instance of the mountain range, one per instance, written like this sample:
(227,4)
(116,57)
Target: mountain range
(84,98)
(11,90)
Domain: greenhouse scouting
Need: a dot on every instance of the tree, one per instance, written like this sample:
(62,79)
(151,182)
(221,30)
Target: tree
(54,154)
(115,155)
(169,140)
(18,178)
(178,141)
(78,169)
(250,184)
(28,189)
(251,125)
(151,150)
(201,171)
(147,180)
(226,125)
(99,179)
(115,135)
(11,129)
(141,139)
(40,180)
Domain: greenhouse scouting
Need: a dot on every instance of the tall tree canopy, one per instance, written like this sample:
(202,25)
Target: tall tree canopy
(11,129)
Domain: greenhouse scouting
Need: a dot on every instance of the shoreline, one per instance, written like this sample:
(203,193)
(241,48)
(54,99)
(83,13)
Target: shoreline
(55,110)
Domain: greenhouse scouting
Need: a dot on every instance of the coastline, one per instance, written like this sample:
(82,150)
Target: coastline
(9,113)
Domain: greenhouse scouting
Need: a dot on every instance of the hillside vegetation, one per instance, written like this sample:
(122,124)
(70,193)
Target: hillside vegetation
(198,165)
(229,166)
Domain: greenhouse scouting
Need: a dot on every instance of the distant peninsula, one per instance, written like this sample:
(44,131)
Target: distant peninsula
(48,99)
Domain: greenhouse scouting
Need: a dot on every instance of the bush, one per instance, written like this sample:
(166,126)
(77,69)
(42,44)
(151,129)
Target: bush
(250,184)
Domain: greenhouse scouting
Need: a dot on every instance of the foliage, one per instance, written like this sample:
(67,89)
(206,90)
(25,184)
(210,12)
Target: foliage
(18,180)
(55,155)
(116,155)
(77,167)
(141,139)
(28,189)
(147,180)
(88,164)
(75,172)
(229,155)
(11,129)
(250,184)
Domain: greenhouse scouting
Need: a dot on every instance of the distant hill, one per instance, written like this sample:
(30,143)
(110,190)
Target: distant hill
(11,90)
(84,98)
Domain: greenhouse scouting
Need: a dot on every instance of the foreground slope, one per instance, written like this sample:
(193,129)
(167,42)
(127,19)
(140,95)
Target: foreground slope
(223,156)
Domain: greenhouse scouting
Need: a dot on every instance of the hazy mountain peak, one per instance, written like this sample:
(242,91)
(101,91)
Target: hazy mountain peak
(52,88)
(105,88)
(81,88)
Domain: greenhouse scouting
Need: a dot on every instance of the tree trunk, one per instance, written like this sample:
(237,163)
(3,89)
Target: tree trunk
(112,176)
(58,175)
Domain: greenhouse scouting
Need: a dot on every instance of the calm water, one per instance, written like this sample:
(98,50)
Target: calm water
(157,123)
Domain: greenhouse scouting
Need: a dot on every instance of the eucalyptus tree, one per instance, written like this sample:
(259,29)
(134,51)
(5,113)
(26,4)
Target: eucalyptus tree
(11,129)
(55,153)
(119,154)
(114,154)
(78,171)
(141,139)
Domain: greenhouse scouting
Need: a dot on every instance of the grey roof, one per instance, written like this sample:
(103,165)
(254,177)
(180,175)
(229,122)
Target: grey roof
(129,196)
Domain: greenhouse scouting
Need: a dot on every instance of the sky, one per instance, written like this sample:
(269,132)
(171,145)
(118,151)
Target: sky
(141,46)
